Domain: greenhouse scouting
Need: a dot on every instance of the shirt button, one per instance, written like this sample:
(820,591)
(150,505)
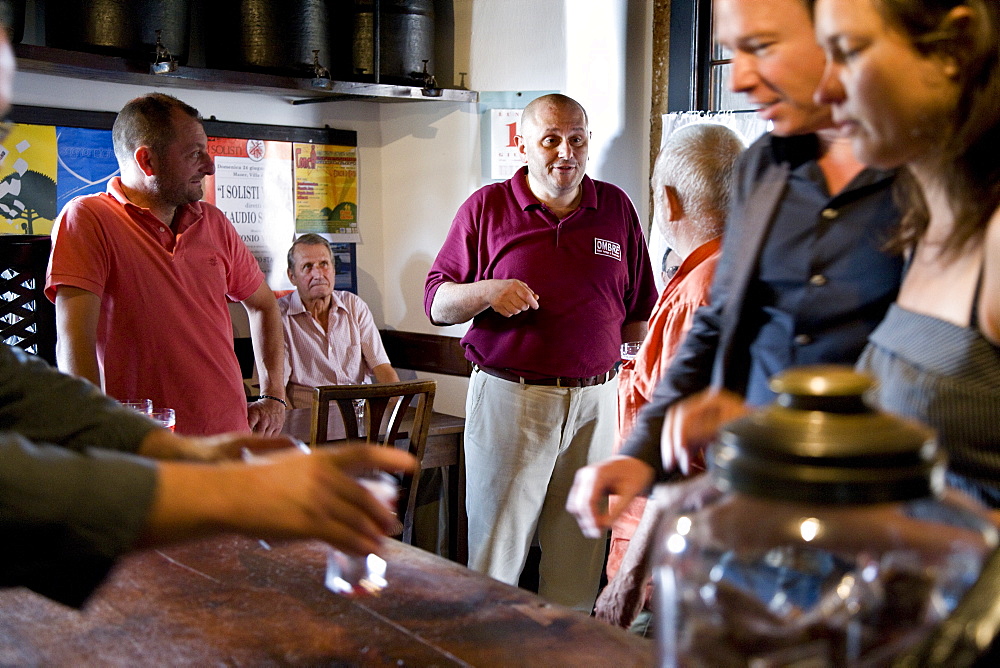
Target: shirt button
(803,339)
(817,280)
(163,229)
(829,214)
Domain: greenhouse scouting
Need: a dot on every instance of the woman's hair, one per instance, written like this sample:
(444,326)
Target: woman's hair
(970,166)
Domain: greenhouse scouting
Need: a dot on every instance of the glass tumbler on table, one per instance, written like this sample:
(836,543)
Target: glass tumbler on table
(359,576)
(359,416)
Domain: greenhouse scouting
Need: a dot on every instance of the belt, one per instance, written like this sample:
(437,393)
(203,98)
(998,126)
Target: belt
(557,382)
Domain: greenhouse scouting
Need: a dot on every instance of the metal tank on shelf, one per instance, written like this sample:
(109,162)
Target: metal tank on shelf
(269,36)
(125,28)
(406,42)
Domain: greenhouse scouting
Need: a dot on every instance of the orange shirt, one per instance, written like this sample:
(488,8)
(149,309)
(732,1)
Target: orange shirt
(672,317)
(164,331)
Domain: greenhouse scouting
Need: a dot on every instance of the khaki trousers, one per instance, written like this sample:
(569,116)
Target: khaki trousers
(523,446)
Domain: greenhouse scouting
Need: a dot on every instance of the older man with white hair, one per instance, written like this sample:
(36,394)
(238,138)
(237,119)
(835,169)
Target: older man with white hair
(691,181)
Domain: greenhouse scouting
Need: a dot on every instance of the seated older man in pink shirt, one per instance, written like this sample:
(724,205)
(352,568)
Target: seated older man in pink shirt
(330,336)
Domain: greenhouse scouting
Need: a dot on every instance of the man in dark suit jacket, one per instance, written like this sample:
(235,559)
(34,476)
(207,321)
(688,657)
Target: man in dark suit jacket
(803,277)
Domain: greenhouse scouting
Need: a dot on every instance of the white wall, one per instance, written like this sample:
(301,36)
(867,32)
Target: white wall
(419,160)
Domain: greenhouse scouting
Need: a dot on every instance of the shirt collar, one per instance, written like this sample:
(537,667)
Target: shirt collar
(799,150)
(696,257)
(795,150)
(525,198)
(703,251)
(295,305)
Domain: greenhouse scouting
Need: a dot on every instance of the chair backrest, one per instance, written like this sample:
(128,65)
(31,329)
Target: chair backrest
(384,404)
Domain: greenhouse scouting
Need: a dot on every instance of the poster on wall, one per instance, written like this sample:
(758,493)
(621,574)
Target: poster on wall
(44,166)
(501,115)
(28,180)
(86,163)
(326,191)
(252,185)
(345,267)
(505,159)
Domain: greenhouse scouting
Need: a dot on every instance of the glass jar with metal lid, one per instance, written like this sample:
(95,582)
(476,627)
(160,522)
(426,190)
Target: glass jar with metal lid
(822,534)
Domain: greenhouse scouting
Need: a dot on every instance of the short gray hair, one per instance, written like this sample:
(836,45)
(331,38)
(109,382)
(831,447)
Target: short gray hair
(697,161)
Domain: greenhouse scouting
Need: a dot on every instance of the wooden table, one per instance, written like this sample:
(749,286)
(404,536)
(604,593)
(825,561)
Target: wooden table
(233,601)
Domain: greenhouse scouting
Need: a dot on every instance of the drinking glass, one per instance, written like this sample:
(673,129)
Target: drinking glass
(630,350)
(165,416)
(144,406)
(359,576)
(359,416)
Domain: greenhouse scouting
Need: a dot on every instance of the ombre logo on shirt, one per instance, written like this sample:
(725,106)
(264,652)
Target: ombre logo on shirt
(608,248)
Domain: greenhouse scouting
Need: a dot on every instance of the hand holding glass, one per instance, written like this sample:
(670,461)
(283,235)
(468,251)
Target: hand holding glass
(354,576)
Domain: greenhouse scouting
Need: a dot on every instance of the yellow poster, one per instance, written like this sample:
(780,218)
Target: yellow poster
(28,180)
(326,190)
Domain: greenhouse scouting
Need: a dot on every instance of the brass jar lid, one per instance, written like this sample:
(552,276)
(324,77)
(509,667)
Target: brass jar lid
(821,442)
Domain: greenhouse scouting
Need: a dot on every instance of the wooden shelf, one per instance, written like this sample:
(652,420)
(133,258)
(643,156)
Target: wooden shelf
(60,62)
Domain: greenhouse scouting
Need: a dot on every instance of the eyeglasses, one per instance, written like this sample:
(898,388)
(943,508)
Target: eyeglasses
(6,127)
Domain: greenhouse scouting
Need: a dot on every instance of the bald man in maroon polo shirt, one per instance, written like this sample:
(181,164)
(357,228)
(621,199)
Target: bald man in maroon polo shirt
(551,267)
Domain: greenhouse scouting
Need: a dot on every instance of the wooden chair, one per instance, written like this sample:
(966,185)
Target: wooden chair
(385,405)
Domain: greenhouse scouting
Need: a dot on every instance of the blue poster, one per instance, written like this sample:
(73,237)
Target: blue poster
(86,163)
(345,266)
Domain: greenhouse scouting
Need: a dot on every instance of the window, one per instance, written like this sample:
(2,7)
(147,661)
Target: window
(699,69)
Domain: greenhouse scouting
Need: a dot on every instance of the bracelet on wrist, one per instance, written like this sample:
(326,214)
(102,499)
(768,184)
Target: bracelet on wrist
(280,401)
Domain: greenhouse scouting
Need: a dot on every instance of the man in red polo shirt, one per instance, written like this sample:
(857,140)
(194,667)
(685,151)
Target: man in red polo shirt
(78,488)
(140,276)
(551,267)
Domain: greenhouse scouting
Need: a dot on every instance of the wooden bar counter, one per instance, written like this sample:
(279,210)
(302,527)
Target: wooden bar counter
(238,602)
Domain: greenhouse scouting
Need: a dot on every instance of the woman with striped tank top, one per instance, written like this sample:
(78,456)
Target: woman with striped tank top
(916,83)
